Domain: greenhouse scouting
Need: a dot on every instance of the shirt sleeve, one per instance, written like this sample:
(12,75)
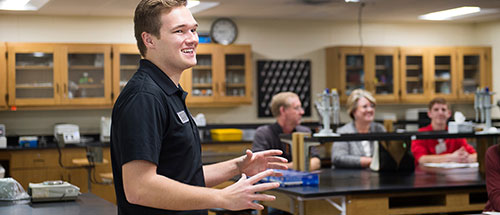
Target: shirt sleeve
(493,177)
(260,141)
(418,149)
(467,147)
(139,129)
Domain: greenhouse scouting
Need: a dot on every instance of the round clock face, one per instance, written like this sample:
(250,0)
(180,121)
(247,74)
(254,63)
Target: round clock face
(223,31)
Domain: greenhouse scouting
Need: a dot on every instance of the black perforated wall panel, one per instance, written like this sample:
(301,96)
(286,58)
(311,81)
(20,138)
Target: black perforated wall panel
(283,75)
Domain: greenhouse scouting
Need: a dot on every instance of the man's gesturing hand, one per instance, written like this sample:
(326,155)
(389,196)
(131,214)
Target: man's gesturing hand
(241,195)
(253,163)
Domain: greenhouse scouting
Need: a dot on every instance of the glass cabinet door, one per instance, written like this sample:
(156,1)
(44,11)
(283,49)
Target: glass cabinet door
(355,73)
(414,75)
(202,76)
(471,74)
(235,75)
(3,77)
(126,60)
(85,76)
(34,75)
(442,75)
(129,63)
(32,72)
(384,73)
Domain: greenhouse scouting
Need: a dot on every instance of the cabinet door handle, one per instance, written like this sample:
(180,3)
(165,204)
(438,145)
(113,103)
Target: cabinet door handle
(65,88)
(57,88)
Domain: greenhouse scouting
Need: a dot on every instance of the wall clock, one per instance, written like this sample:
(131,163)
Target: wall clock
(223,31)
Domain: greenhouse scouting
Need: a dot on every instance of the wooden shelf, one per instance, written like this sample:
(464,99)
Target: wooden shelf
(442,79)
(35,67)
(129,67)
(413,79)
(202,85)
(382,67)
(354,67)
(442,67)
(228,85)
(89,86)
(33,86)
(413,67)
(235,67)
(471,67)
(86,67)
(354,83)
(202,67)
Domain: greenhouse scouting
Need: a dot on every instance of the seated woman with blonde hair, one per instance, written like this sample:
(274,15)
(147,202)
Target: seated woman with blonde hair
(357,154)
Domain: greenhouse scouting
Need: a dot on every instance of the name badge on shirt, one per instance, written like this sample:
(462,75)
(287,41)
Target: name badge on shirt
(183,116)
(441,146)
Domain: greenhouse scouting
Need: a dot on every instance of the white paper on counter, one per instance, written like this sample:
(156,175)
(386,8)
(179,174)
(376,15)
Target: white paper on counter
(451,165)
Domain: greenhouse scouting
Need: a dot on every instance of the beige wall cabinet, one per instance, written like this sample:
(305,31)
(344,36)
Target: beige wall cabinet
(3,77)
(222,76)
(126,59)
(40,165)
(372,68)
(59,74)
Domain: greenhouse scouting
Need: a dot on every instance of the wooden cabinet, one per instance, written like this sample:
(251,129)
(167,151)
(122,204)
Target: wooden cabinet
(3,78)
(222,76)
(40,165)
(126,59)
(474,70)
(428,73)
(410,74)
(374,69)
(59,74)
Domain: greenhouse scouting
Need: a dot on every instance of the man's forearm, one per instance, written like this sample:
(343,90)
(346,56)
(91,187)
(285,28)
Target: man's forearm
(433,159)
(221,172)
(164,193)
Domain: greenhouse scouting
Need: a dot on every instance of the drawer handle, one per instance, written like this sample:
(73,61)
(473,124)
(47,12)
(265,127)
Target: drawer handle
(38,160)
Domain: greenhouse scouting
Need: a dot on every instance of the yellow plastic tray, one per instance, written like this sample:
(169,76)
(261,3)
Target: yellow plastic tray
(226,134)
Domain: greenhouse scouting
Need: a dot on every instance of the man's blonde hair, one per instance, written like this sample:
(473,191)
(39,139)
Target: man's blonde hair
(352,101)
(147,18)
(281,100)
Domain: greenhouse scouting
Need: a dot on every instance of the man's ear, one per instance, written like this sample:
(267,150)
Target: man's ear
(429,114)
(282,110)
(147,39)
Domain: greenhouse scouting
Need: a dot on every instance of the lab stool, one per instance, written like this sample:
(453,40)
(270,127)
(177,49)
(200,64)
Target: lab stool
(221,211)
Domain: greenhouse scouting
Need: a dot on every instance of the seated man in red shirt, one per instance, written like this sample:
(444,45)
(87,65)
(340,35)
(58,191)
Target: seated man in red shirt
(441,150)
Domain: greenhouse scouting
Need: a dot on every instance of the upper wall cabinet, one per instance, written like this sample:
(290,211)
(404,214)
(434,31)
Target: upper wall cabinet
(474,70)
(409,74)
(59,74)
(3,77)
(221,77)
(374,69)
(126,59)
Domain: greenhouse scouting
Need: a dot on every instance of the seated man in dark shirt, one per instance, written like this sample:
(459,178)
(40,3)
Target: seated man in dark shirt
(287,109)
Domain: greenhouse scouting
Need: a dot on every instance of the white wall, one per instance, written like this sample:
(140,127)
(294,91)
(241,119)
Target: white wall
(270,39)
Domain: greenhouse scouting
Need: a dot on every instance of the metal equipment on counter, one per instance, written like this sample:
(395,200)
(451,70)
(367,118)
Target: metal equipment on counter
(328,106)
(482,106)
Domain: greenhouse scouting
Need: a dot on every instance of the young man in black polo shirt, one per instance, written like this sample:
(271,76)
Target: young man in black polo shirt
(155,149)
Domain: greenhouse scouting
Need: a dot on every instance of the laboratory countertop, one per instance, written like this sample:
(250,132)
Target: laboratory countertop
(86,204)
(361,181)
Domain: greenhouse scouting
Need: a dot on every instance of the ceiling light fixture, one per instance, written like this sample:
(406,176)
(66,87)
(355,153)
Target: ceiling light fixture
(196,6)
(450,14)
(22,4)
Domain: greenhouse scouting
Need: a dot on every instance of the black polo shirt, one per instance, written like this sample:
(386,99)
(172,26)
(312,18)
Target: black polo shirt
(150,121)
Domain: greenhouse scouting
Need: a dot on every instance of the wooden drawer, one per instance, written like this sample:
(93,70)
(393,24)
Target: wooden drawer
(44,158)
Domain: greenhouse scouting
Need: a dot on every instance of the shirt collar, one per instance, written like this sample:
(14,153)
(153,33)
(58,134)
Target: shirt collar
(165,83)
